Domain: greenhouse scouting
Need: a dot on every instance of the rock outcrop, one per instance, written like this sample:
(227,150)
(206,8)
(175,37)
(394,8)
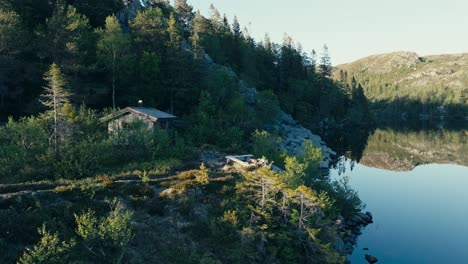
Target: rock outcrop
(294,135)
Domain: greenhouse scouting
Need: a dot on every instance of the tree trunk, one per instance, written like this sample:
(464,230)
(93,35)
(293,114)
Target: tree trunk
(302,212)
(263,193)
(55,123)
(113,80)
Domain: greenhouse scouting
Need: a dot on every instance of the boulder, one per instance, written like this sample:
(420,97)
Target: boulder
(366,219)
(371,259)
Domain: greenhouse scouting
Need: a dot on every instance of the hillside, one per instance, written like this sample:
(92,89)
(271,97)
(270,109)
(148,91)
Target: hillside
(411,82)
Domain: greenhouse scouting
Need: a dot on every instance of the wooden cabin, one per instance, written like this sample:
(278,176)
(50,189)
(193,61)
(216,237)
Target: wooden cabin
(153,117)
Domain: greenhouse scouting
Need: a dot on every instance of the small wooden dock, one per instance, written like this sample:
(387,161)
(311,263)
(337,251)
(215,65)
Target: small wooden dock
(243,160)
(249,162)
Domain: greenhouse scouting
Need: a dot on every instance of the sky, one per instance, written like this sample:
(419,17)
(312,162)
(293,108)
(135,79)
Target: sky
(353,29)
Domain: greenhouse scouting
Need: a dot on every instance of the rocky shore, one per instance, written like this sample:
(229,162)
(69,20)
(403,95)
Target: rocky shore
(293,135)
(352,228)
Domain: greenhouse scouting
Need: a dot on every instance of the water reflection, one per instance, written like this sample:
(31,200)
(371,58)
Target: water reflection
(414,182)
(404,150)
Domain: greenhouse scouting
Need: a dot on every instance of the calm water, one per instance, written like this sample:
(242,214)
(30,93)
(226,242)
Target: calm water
(420,211)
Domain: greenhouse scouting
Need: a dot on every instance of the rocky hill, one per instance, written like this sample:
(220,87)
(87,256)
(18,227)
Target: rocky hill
(440,80)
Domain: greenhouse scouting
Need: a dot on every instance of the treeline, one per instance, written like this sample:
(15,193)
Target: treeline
(396,95)
(112,54)
(301,80)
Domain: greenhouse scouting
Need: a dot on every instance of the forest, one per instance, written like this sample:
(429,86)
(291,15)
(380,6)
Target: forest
(150,198)
(155,55)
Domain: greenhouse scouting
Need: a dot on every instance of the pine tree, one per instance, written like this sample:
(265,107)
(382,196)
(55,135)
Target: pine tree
(216,20)
(236,31)
(64,35)
(174,33)
(309,205)
(175,59)
(11,33)
(313,61)
(55,96)
(112,46)
(226,28)
(325,63)
(149,31)
(236,49)
(199,26)
(267,45)
(295,172)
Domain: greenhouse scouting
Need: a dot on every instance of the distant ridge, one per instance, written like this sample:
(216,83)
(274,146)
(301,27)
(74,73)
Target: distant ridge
(406,77)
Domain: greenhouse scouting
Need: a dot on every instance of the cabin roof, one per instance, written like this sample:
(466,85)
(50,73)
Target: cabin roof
(150,113)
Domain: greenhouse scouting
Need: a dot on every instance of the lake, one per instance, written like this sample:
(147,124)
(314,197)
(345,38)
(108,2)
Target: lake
(415,183)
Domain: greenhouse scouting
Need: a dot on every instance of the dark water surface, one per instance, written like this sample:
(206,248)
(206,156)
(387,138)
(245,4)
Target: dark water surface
(420,211)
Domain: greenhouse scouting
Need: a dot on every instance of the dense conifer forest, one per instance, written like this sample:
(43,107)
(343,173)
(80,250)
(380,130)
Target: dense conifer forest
(111,54)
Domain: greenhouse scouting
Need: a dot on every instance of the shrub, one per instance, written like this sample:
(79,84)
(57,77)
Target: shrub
(23,146)
(106,238)
(265,144)
(49,250)
(203,175)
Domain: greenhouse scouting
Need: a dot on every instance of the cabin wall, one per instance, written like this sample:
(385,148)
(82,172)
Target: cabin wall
(119,123)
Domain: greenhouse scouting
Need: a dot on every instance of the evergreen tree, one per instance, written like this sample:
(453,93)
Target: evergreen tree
(309,206)
(325,63)
(199,27)
(236,49)
(12,36)
(149,30)
(313,61)
(226,27)
(175,80)
(55,97)
(64,36)
(267,45)
(236,31)
(150,78)
(216,20)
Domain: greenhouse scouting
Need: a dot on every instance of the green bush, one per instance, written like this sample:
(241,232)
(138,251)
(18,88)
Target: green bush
(84,159)
(23,149)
